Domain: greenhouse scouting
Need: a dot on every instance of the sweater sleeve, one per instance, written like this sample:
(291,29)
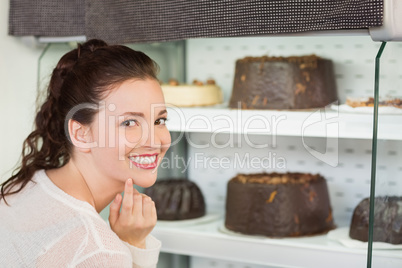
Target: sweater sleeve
(148,257)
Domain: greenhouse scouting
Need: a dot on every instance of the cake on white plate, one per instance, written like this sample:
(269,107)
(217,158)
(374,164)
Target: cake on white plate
(369,102)
(195,94)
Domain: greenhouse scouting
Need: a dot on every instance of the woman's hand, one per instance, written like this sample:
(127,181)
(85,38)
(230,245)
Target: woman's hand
(137,217)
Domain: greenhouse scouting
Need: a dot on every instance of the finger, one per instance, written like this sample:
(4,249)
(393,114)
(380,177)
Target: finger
(137,206)
(147,207)
(135,191)
(153,212)
(114,209)
(128,198)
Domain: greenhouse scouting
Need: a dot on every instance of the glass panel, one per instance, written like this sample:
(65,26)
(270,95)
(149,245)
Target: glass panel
(169,56)
(388,187)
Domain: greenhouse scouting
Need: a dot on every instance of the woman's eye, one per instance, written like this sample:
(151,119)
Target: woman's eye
(129,123)
(161,121)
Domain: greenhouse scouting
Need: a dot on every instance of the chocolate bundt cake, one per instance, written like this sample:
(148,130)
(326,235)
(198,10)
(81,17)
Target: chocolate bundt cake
(177,199)
(297,82)
(387,220)
(278,204)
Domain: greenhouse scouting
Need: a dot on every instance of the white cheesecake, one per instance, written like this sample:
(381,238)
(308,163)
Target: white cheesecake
(186,95)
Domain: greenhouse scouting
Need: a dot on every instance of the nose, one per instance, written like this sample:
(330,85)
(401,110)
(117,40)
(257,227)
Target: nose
(154,137)
(147,138)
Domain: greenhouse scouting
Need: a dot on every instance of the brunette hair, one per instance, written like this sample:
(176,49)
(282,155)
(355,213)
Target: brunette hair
(84,75)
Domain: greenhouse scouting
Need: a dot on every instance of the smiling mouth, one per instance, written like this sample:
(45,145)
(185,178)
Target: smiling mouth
(144,161)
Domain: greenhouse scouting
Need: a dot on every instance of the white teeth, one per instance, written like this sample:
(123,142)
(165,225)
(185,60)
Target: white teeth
(144,160)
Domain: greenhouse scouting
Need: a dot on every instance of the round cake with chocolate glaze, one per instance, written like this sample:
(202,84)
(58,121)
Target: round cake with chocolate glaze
(297,82)
(387,220)
(278,205)
(177,199)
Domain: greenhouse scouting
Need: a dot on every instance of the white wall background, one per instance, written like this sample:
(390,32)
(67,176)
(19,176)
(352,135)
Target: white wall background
(18,72)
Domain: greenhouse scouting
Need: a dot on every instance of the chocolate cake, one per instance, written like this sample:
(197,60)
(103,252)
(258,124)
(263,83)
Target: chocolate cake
(369,102)
(278,204)
(283,83)
(387,220)
(177,199)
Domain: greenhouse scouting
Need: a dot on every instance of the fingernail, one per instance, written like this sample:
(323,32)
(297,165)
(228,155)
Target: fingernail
(129,182)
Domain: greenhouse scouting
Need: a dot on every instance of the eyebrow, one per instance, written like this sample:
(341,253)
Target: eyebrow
(164,111)
(142,114)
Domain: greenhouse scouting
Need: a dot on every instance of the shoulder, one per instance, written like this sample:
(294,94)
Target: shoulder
(43,222)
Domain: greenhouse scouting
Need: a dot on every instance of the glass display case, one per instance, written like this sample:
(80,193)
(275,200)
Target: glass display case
(385,220)
(331,141)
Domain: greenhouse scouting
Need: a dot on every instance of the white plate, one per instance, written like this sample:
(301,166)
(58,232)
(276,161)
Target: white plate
(341,235)
(222,228)
(179,223)
(344,108)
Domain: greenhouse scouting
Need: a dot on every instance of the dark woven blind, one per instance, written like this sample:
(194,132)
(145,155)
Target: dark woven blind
(124,21)
(47,17)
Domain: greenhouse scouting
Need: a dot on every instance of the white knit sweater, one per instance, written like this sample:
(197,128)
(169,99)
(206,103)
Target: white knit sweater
(46,227)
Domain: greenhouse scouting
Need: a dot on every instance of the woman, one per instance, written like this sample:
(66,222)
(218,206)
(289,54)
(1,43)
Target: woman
(100,131)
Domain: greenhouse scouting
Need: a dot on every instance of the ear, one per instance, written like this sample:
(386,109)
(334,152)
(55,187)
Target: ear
(80,136)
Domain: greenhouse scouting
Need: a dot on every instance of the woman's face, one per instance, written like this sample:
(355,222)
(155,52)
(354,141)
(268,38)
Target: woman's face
(129,132)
